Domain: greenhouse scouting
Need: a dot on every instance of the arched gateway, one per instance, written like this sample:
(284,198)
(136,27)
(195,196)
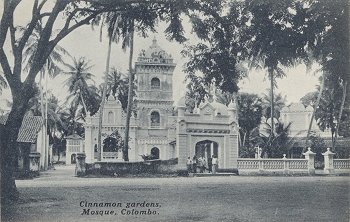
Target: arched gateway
(211,130)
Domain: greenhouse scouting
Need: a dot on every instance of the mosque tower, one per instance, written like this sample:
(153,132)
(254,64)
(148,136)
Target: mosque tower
(154,73)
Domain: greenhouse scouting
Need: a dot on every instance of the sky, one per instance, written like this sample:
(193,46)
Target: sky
(85,42)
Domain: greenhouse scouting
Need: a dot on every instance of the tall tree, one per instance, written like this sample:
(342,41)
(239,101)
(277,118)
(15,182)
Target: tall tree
(50,69)
(328,30)
(218,25)
(77,82)
(278,103)
(249,115)
(329,102)
(277,39)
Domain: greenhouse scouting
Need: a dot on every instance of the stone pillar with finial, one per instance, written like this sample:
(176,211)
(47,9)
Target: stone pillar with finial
(328,161)
(310,156)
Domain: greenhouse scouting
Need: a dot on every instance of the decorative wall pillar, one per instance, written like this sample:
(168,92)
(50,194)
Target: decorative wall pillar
(285,164)
(182,151)
(34,163)
(310,156)
(80,168)
(328,161)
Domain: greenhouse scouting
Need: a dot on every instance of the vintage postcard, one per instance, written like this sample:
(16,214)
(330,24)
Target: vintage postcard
(164,110)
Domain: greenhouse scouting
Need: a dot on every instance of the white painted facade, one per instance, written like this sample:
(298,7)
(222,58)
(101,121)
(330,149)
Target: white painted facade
(156,129)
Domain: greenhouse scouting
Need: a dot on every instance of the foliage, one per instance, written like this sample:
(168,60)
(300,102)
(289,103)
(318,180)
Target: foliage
(71,119)
(318,146)
(274,145)
(77,82)
(278,103)
(249,115)
(221,48)
(93,99)
(113,142)
(329,43)
(117,86)
(309,99)
(54,60)
(329,23)
(195,93)
(328,110)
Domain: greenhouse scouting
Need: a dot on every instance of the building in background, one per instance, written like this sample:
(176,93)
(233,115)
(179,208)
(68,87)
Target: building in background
(156,130)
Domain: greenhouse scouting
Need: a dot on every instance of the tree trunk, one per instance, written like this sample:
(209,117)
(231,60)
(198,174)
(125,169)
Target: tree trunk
(82,101)
(239,139)
(340,113)
(272,102)
(244,138)
(46,163)
(99,141)
(313,113)
(130,100)
(9,149)
(42,109)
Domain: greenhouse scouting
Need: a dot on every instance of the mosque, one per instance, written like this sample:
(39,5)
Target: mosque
(160,128)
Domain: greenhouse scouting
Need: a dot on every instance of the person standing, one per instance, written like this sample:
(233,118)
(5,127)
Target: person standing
(204,165)
(200,164)
(215,163)
(189,165)
(210,164)
(194,164)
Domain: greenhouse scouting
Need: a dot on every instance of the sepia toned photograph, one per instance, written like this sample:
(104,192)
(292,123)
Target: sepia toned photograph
(175,110)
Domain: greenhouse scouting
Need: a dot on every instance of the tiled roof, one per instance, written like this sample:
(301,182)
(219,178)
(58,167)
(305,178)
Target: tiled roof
(29,130)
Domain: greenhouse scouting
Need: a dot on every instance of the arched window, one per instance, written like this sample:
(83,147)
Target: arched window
(110,117)
(155,83)
(155,119)
(155,153)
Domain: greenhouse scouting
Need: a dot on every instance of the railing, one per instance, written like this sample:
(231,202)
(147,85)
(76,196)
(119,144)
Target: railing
(272,164)
(296,164)
(341,163)
(252,164)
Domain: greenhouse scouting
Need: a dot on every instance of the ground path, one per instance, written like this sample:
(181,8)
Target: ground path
(57,196)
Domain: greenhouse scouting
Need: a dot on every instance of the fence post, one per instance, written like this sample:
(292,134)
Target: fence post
(328,161)
(285,164)
(261,167)
(80,169)
(34,163)
(310,156)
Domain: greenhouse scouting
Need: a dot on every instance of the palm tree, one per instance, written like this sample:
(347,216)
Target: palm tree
(278,103)
(114,81)
(314,111)
(51,67)
(277,143)
(71,117)
(276,41)
(78,79)
(120,26)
